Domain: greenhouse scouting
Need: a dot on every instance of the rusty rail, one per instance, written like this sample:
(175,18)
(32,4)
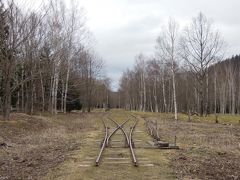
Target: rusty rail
(115,130)
(103,144)
(131,142)
(118,125)
(128,139)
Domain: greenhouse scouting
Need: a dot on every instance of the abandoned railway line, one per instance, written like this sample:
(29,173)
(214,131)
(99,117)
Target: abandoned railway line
(115,145)
(119,146)
(119,134)
(127,133)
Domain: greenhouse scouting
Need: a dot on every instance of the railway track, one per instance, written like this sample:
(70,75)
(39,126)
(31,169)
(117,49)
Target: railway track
(129,143)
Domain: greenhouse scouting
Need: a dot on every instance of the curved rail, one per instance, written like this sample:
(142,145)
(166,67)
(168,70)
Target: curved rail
(126,136)
(103,144)
(131,142)
(119,127)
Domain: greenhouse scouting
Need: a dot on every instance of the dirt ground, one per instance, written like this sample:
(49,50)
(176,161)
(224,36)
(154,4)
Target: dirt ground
(116,162)
(31,145)
(207,150)
(66,146)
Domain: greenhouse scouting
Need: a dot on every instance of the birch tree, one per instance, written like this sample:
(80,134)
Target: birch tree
(141,70)
(15,36)
(167,44)
(201,45)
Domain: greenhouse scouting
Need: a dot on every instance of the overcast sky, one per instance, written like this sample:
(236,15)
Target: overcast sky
(124,28)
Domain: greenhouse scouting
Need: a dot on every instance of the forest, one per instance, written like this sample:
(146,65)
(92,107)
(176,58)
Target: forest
(119,90)
(188,73)
(48,61)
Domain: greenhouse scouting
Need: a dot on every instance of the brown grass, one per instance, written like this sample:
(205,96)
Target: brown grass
(71,168)
(207,150)
(34,144)
(52,147)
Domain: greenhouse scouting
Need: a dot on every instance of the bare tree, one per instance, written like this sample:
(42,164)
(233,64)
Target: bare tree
(90,67)
(141,70)
(200,46)
(167,44)
(17,34)
(38,55)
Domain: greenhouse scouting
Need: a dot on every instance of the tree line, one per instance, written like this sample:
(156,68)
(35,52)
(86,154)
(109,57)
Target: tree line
(187,73)
(47,60)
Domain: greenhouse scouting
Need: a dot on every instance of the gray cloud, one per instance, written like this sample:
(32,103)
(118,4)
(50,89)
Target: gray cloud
(124,28)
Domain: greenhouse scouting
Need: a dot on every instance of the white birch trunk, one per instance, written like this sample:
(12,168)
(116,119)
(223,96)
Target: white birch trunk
(141,96)
(155,95)
(43,92)
(66,90)
(164,94)
(62,96)
(174,96)
(55,92)
(144,93)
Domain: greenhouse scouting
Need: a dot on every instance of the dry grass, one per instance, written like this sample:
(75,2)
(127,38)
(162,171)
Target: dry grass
(222,118)
(207,150)
(54,147)
(211,136)
(35,144)
(72,169)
